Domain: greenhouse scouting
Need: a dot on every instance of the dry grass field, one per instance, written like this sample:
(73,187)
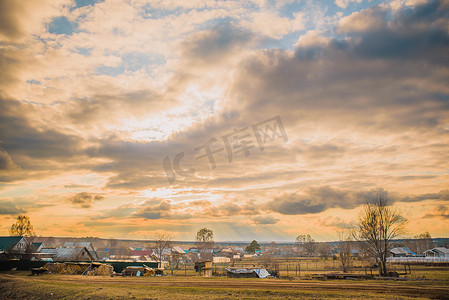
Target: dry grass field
(20,285)
(295,283)
(302,267)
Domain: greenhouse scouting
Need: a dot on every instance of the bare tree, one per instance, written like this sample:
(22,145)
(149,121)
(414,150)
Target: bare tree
(378,225)
(421,243)
(122,250)
(162,241)
(205,242)
(306,243)
(345,247)
(267,261)
(324,250)
(22,227)
(272,249)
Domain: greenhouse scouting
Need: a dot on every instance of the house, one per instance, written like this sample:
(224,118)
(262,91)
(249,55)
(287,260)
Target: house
(401,252)
(102,254)
(221,260)
(141,253)
(46,254)
(87,245)
(14,245)
(437,252)
(192,256)
(239,249)
(225,253)
(37,247)
(176,250)
(178,254)
(73,254)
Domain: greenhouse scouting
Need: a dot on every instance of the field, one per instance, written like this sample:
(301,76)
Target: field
(302,267)
(19,285)
(295,283)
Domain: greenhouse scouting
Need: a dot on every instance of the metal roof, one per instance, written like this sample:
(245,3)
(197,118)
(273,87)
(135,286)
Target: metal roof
(48,250)
(37,245)
(401,250)
(68,254)
(178,250)
(78,244)
(87,245)
(441,249)
(8,242)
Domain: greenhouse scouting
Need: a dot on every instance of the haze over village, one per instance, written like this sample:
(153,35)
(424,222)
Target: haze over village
(259,120)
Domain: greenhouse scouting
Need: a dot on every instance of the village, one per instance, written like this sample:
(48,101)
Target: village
(214,259)
(29,262)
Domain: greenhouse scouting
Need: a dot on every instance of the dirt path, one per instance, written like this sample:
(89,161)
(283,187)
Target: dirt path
(409,289)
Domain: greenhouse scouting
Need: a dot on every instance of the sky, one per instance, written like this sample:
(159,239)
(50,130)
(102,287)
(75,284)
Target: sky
(256,119)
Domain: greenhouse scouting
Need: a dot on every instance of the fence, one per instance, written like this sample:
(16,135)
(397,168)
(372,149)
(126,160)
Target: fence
(25,265)
(436,261)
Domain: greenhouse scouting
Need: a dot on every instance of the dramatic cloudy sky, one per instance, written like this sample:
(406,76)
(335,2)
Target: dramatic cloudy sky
(257,119)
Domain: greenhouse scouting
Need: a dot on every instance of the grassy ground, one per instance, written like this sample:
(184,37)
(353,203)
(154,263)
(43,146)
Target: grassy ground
(186,284)
(303,266)
(18,285)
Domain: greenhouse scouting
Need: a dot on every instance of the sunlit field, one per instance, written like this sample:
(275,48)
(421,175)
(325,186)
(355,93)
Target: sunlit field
(296,281)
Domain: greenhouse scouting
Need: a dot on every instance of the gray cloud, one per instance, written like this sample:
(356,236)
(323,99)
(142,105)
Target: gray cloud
(337,222)
(9,63)
(9,208)
(265,220)
(214,44)
(158,208)
(38,150)
(114,104)
(318,199)
(230,209)
(440,211)
(6,163)
(363,79)
(153,209)
(10,14)
(442,195)
(23,204)
(119,212)
(20,137)
(414,33)
(84,199)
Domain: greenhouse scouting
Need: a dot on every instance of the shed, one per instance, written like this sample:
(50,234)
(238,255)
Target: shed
(73,254)
(208,268)
(401,252)
(87,245)
(437,252)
